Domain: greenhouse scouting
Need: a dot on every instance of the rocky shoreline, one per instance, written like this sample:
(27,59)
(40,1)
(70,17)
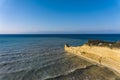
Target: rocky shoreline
(99,52)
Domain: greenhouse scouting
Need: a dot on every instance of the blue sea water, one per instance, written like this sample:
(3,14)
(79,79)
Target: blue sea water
(42,57)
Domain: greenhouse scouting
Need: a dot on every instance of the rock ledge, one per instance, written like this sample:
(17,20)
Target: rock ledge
(99,52)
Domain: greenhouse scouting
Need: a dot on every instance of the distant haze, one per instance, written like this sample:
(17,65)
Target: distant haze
(59,16)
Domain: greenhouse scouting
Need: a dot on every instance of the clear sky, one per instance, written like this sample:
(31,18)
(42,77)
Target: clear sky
(59,16)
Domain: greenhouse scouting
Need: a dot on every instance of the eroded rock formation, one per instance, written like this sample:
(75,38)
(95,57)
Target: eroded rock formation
(99,52)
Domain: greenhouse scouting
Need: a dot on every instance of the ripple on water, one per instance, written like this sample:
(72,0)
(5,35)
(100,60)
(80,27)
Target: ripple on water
(41,59)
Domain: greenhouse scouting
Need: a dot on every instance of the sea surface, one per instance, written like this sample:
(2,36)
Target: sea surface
(42,57)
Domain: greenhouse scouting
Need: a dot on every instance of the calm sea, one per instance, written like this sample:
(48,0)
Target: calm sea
(42,57)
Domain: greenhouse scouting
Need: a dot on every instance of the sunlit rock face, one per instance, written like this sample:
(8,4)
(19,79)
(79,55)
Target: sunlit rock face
(99,52)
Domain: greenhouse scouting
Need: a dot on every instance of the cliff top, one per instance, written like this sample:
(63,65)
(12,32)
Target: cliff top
(103,43)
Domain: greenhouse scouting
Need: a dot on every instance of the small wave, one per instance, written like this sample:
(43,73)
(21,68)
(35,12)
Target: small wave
(42,64)
(68,73)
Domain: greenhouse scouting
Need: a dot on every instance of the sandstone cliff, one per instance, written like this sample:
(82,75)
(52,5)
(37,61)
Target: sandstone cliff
(101,53)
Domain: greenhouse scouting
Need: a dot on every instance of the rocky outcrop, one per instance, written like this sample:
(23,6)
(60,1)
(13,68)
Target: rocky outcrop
(99,52)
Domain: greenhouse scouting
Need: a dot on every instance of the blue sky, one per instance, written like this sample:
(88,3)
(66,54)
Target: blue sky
(59,16)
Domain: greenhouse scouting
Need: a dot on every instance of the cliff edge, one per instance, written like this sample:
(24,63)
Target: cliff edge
(99,52)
